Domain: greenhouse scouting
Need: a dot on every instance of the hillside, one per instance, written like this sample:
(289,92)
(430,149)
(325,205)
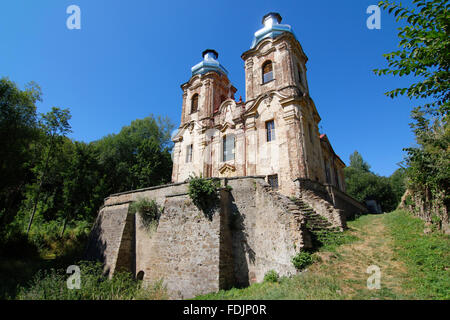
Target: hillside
(413,265)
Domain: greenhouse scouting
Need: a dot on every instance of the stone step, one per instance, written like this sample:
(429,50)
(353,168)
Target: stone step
(317,221)
(314,221)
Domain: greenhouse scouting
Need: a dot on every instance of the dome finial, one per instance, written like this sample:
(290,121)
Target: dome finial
(210,53)
(209,63)
(272,28)
(271,17)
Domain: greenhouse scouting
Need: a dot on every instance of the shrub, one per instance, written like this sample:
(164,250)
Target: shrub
(302,260)
(148,211)
(203,193)
(271,276)
(52,285)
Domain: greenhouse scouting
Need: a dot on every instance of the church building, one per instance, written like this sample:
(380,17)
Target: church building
(273,133)
(280,180)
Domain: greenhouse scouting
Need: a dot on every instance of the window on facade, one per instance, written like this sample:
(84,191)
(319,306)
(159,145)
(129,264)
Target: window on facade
(270,129)
(189,153)
(228,148)
(273,181)
(267,71)
(194,103)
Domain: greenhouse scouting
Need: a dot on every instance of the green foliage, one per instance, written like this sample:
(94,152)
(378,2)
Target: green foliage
(357,162)
(61,183)
(329,240)
(364,185)
(429,162)
(398,183)
(148,211)
(137,157)
(427,256)
(424,52)
(409,201)
(271,276)
(51,285)
(51,178)
(302,260)
(18,130)
(203,193)
(300,287)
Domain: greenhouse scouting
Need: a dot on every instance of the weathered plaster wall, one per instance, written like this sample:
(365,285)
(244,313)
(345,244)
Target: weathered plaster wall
(252,230)
(266,233)
(107,236)
(184,250)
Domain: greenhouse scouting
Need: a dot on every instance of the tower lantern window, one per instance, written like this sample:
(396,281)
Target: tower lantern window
(267,71)
(194,103)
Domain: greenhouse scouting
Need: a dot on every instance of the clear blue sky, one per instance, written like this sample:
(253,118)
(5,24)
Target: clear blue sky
(130,58)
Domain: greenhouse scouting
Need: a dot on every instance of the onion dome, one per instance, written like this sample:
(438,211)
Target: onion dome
(272,28)
(209,63)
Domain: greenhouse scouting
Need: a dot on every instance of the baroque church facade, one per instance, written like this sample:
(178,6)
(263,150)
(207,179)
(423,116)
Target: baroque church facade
(273,133)
(285,181)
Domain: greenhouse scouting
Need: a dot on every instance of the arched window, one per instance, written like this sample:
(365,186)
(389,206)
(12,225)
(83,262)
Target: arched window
(228,145)
(194,103)
(267,71)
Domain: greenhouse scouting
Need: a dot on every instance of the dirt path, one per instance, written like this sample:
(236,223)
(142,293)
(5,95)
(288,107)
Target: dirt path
(349,262)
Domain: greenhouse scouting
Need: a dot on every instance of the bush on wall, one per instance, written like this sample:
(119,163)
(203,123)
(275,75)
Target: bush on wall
(203,193)
(148,211)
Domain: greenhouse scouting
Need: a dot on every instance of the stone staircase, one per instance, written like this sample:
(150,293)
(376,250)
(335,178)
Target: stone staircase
(314,221)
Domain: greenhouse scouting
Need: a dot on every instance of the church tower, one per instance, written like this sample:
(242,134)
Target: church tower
(275,76)
(273,133)
(207,88)
(275,61)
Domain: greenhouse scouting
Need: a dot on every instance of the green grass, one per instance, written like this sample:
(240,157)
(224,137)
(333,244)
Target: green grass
(330,241)
(426,256)
(304,286)
(414,265)
(300,287)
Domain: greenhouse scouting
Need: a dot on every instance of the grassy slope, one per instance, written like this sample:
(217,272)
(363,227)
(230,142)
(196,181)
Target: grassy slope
(413,265)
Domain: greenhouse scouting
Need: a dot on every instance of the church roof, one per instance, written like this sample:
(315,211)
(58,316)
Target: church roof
(324,138)
(272,28)
(209,63)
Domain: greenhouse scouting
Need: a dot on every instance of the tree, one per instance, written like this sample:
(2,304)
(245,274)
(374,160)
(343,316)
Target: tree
(398,183)
(424,52)
(362,184)
(137,157)
(55,125)
(357,162)
(80,180)
(18,129)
